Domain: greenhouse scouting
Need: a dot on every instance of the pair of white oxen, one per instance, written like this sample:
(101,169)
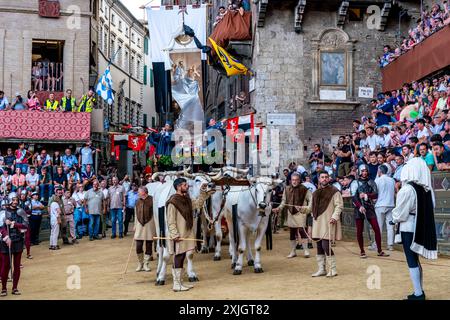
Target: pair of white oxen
(250,201)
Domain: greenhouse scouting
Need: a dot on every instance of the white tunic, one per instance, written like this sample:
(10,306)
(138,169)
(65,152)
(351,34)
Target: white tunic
(406,204)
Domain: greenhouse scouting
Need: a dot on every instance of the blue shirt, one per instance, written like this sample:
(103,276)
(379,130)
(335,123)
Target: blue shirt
(132,197)
(69,161)
(383,119)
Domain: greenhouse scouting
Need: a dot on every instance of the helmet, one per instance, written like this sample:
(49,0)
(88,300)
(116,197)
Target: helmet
(4,202)
(362,167)
(12,195)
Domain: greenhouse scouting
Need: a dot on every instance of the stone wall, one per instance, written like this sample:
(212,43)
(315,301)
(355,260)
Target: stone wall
(283,61)
(20,24)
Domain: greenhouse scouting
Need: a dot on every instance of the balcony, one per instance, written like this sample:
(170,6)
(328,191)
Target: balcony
(425,58)
(41,126)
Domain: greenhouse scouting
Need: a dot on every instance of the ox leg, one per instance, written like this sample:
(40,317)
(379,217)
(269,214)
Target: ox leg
(217,253)
(241,249)
(233,246)
(165,256)
(190,267)
(260,232)
(250,260)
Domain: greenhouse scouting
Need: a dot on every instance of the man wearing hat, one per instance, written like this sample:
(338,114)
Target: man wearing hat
(12,231)
(363,202)
(180,221)
(35,218)
(58,198)
(18,103)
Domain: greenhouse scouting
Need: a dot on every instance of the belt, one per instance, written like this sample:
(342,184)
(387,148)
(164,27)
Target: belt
(68,214)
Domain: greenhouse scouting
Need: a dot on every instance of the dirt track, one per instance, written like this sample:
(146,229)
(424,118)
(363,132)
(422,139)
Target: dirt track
(102,262)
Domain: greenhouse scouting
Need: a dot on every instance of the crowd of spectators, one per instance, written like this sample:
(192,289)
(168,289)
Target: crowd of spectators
(430,22)
(233,5)
(68,103)
(79,200)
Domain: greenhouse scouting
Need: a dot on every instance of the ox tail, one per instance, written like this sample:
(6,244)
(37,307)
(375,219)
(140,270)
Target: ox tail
(162,226)
(269,241)
(235,224)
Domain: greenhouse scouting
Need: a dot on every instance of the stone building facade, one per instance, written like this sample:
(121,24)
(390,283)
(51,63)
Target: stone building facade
(21,26)
(291,68)
(295,45)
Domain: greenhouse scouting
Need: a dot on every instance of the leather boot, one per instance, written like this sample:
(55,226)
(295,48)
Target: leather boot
(140,266)
(331,261)
(177,285)
(321,264)
(147,262)
(292,254)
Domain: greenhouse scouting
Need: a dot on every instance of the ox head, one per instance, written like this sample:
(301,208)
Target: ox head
(263,187)
(197,180)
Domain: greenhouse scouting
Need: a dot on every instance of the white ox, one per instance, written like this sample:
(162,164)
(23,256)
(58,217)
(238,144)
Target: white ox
(251,201)
(161,193)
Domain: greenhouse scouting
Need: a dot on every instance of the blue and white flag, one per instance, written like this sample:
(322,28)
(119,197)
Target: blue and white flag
(104,87)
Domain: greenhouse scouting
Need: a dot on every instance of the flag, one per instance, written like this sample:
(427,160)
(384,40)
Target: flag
(136,143)
(104,87)
(243,123)
(231,65)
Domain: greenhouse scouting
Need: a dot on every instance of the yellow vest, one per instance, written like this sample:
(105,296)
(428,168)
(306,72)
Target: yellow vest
(49,106)
(72,104)
(86,105)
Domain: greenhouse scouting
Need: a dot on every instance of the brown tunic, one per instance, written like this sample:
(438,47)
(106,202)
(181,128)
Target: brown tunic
(299,196)
(144,222)
(178,226)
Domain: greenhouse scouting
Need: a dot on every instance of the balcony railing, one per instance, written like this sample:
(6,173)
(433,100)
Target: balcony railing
(425,58)
(30,125)
(47,75)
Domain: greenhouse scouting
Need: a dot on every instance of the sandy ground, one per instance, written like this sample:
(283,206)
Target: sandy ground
(102,262)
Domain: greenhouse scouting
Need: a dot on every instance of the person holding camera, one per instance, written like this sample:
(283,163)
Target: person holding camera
(18,103)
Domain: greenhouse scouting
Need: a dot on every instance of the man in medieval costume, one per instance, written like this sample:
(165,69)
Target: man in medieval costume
(12,229)
(180,221)
(327,205)
(144,229)
(364,203)
(298,200)
(414,216)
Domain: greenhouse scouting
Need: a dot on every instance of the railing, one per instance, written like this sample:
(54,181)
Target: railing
(425,58)
(47,75)
(42,126)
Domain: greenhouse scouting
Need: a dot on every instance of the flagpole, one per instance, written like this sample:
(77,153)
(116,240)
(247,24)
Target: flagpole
(109,63)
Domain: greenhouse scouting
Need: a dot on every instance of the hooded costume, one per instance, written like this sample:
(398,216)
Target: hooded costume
(414,214)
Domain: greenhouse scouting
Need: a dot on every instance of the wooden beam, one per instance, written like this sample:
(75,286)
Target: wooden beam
(262,9)
(342,13)
(299,11)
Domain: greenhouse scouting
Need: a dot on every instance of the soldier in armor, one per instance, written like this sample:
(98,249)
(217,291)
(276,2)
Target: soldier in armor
(13,229)
(364,202)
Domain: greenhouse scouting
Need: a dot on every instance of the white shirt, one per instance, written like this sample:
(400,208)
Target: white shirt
(79,197)
(54,214)
(311,187)
(406,204)
(386,191)
(105,193)
(436,129)
(422,133)
(32,179)
(372,142)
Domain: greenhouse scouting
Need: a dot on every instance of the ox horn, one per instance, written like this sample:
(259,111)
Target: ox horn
(156,175)
(217,176)
(186,173)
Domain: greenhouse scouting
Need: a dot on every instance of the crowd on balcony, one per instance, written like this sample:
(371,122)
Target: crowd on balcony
(68,103)
(233,5)
(431,21)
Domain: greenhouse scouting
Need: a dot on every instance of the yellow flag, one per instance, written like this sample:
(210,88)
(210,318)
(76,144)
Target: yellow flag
(231,64)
